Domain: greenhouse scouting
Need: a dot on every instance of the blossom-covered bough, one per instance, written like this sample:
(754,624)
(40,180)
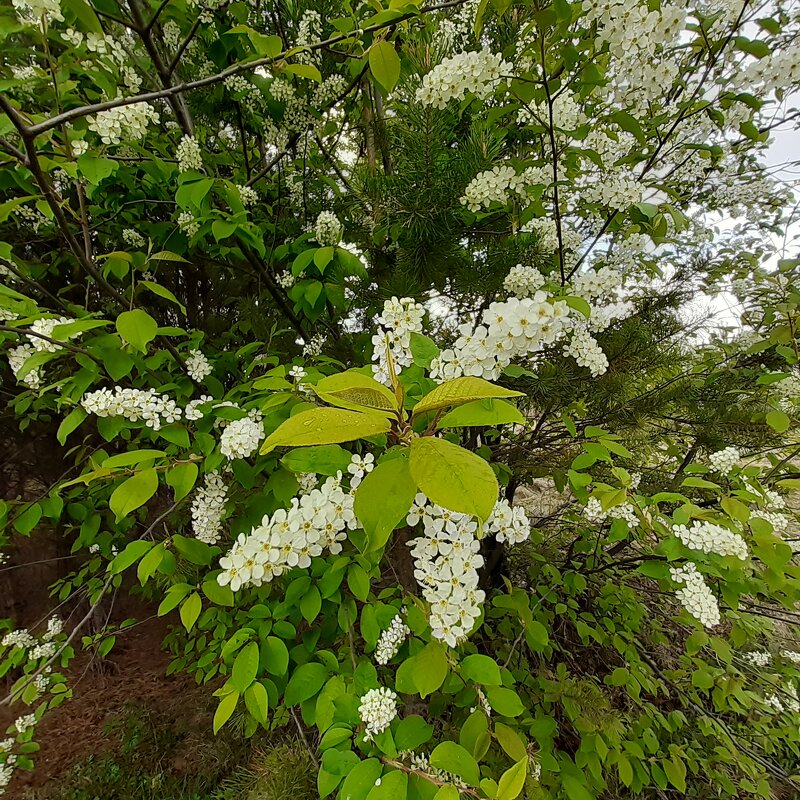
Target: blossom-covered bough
(375,346)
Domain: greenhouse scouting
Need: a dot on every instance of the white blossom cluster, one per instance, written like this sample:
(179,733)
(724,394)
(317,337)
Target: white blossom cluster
(309,31)
(583,347)
(778,521)
(34,12)
(291,537)
(188,154)
(594,283)
(617,190)
(499,185)
(31,217)
(787,391)
(132,238)
(446,561)
(306,482)
(17,357)
(20,638)
(757,658)
(508,524)
(327,229)
(247,195)
(285,279)
(594,513)
(478,72)
(188,223)
(192,410)
(694,595)
(398,320)
(786,702)
(313,347)
(791,655)
(198,366)
(134,405)
(128,123)
(25,723)
(358,468)
(241,437)
(710,538)
(523,281)
(208,508)
(45,327)
(377,710)
(723,461)
(391,640)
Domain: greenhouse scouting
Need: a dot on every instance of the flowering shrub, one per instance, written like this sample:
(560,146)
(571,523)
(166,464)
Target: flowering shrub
(318,302)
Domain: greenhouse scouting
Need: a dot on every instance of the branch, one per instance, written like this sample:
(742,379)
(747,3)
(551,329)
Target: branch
(65,345)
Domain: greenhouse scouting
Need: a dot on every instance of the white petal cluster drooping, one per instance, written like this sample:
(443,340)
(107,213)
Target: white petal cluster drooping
(241,437)
(593,511)
(757,658)
(188,223)
(247,195)
(710,538)
(208,508)
(785,702)
(128,123)
(398,320)
(499,185)
(198,366)
(147,405)
(391,640)
(25,723)
(523,281)
(20,638)
(723,461)
(508,523)
(17,356)
(478,72)
(192,410)
(34,12)
(188,154)
(313,347)
(791,655)
(327,229)
(133,238)
(694,595)
(45,327)
(583,347)
(291,537)
(377,710)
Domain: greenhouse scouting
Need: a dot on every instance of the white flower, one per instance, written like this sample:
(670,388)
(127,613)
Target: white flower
(710,538)
(313,347)
(327,229)
(399,319)
(24,723)
(523,281)
(297,373)
(247,195)
(198,366)
(208,508)
(695,596)
(189,155)
(241,438)
(20,638)
(499,185)
(127,123)
(133,238)
(391,640)
(377,710)
(508,524)
(45,327)
(148,406)
(757,659)
(17,356)
(478,72)
(723,461)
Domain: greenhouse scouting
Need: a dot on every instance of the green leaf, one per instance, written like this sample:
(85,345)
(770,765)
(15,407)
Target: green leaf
(454,758)
(778,420)
(580,305)
(453,477)
(460,391)
(133,493)
(245,667)
(226,707)
(412,732)
(393,786)
(28,519)
(150,563)
(423,349)
(324,459)
(308,71)
(130,555)
(325,426)
(96,169)
(361,779)
(162,291)
(357,391)
(306,681)
(190,610)
(510,741)
(257,702)
(221,595)
(675,770)
(481,669)
(384,64)
(70,423)
(193,549)
(383,499)
(512,780)
(424,673)
(504,701)
(182,478)
(131,458)
(275,655)
(137,328)
(482,412)
(310,604)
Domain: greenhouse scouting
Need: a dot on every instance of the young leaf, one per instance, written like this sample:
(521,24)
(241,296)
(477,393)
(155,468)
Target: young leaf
(325,426)
(460,391)
(137,328)
(453,477)
(383,499)
(384,64)
(482,412)
(224,710)
(245,667)
(133,493)
(357,391)
(454,758)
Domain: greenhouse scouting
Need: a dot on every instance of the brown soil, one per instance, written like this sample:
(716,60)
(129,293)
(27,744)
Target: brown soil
(133,673)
